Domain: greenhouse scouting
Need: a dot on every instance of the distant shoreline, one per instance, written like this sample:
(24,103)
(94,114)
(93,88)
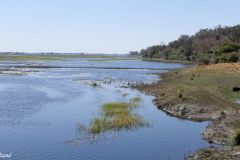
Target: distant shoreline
(167,61)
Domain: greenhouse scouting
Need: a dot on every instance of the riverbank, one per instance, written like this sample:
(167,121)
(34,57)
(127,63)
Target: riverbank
(202,93)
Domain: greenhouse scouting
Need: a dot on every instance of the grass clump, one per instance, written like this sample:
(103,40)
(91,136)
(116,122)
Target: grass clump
(124,94)
(100,125)
(235,139)
(94,84)
(180,93)
(116,116)
(116,109)
(136,100)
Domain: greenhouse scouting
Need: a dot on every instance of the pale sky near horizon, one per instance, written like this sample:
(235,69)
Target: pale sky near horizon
(106,26)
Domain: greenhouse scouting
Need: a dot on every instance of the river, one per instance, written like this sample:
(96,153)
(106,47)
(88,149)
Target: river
(41,111)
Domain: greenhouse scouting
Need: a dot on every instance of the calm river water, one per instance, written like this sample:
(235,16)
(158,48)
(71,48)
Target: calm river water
(40,113)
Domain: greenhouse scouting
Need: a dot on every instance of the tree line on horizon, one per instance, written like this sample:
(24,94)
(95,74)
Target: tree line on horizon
(218,45)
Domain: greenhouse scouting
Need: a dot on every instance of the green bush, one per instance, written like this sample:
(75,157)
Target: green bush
(180,93)
(223,59)
(204,60)
(216,60)
(235,139)
(227,48)
(233,58)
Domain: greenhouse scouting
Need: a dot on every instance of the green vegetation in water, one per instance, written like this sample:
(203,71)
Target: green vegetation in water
(124,94)
(235,139)
(95,84)
(117,116)
(16,72)
(136,100)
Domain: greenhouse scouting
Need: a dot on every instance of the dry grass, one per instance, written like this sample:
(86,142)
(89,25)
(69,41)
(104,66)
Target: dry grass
(223,66)
(209,85)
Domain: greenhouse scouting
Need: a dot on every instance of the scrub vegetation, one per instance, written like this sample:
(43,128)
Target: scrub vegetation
(235,139)
(218,45)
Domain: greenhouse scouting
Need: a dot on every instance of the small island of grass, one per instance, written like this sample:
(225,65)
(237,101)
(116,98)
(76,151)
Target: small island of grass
(116,116)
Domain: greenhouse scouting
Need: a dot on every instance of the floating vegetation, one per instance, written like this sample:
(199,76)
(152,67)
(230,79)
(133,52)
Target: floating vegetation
(118,116)
(136,100)
(93,84)
(17,72)
(125,94)
(112,59)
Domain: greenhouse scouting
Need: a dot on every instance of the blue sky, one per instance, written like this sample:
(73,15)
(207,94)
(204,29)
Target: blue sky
(106,26)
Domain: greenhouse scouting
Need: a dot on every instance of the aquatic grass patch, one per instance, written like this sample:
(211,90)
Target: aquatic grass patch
(118,116)
(94,84)
(111,59)
(15,73)
(136,100)
(125,95)
(117,123)
(116,109)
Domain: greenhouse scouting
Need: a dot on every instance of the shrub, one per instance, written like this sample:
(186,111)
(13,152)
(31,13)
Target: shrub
(223,59)
(233,58)
(180,93)
(94,84)
(236,88)
(204,60)
(227,48)
(216,60)
(235,139)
